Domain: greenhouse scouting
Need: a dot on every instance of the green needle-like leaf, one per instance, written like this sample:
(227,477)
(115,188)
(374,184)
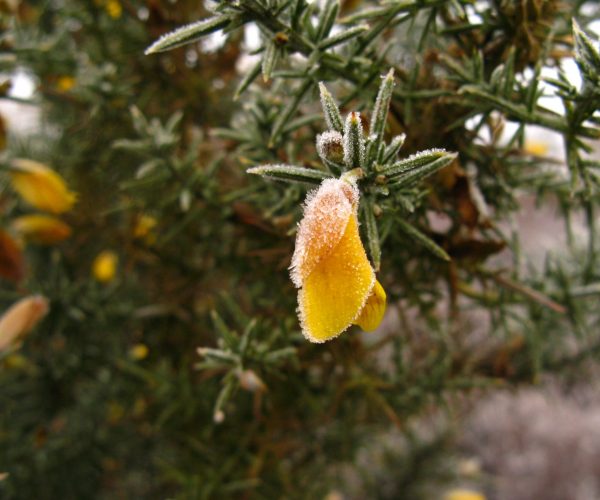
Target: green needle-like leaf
(289,173)
(418,166)
(422,239)
(188,34)
(331,111)
(382,105)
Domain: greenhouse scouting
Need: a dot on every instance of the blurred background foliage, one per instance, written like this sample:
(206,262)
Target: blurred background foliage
(172,247)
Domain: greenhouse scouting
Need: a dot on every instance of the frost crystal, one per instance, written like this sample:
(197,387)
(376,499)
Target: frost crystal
(326,213)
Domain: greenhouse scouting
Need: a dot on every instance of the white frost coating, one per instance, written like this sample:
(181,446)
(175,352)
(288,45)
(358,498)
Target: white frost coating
(330,145)
(327,211)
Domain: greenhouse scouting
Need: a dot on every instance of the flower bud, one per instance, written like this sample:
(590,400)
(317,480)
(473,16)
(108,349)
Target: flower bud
(20,319)
(104,266)
(330,146)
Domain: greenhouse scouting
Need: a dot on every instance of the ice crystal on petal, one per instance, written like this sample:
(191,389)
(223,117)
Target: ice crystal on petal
(326,213)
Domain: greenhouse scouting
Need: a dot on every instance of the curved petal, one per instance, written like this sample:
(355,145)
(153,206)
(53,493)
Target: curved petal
(334,293)
(42,229)
(41,187)
(326,214)
(372,314)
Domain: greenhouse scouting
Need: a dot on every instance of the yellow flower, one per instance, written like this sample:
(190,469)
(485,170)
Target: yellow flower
(139,352)
(42,229)
(114,8)
(104,266)
(463,494)
(330,267)
(143,228)
(536,148)
(41,187)
(65,83)
(20,319)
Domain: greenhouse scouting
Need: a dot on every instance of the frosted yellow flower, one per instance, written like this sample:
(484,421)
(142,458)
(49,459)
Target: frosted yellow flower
(41,186)
(42,229)
(463,494)
(20,319)
(330,267)
(104,266)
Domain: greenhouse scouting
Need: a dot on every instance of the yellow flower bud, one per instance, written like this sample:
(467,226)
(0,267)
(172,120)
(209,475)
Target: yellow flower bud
(330,266)
(143,228)
(113,8)
(104,266)
(139,352)
(41,229)
(536,148)
(41,187)
(65,83)
(20,319)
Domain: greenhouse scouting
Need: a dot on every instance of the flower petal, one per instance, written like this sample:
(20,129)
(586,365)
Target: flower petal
(20,318)
(372,314)
(41,187)
(335,292)
(41,229)
(326,214)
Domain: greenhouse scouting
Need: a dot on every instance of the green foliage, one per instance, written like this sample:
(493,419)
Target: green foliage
(186,376)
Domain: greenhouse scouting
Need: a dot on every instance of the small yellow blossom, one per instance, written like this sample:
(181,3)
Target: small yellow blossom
(536,148)
(113,8)
(143,228)
(65,83)
(41,229)
(330,267)
(41,186)
(463,494)
(20,319)
(104,266)
(139,352)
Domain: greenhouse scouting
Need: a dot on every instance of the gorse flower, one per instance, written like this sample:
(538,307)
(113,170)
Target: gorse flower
(41,229)
(330,266)
(41,187)
(20,319)
(104,266)
(336,279)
